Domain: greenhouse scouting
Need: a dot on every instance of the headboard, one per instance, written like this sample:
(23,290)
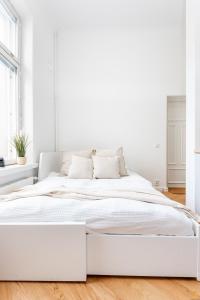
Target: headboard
(49,162)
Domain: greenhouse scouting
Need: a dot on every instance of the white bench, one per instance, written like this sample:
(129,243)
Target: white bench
(43,252)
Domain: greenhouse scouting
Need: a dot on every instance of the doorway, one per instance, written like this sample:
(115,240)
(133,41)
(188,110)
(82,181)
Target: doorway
(176,141)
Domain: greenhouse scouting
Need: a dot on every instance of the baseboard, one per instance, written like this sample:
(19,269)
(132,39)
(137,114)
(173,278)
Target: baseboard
(161,189)
(176,185)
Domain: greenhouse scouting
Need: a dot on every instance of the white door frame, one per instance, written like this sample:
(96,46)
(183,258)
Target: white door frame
(171,98)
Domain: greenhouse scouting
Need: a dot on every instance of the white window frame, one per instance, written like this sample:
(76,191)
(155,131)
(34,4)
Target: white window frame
(14,60)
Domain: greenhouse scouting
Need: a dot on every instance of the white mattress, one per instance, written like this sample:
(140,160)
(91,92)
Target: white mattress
(111,216)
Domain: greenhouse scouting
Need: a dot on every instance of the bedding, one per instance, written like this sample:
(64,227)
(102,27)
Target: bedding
(67,159)
(106,167)
(110,213)
(81,168)
(110,153)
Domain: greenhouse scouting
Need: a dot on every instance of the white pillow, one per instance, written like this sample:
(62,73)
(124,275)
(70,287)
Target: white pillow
(106,167)
(118,152)
(67,159)
(81,168)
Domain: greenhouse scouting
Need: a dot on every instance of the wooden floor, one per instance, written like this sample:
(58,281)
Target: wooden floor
(177,194)
(104,288)
(107,288)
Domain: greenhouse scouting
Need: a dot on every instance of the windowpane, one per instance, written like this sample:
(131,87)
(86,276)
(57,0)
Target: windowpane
(8,27)
(8,108)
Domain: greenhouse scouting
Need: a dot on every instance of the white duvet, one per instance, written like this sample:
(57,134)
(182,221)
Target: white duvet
(111,216)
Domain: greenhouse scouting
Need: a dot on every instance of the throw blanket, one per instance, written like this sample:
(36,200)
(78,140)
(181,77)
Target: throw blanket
(84,194)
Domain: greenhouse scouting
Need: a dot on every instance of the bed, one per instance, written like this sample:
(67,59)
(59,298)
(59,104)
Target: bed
(106,216)
(59,239)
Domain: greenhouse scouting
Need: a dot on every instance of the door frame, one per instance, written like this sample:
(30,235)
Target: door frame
(171,98)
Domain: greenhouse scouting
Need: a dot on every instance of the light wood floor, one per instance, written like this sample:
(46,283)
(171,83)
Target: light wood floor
(104,288)
(177,194)
(107,288)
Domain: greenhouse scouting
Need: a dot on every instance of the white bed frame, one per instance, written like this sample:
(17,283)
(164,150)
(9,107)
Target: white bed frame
(64,252)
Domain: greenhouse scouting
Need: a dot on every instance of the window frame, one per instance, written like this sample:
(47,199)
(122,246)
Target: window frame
(14,60)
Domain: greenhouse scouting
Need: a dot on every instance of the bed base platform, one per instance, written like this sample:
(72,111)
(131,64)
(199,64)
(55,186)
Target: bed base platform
(64,252)
(128,255)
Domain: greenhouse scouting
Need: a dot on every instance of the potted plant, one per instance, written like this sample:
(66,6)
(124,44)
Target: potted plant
(20,143)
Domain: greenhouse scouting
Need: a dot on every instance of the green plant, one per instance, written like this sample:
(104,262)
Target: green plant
(20,143)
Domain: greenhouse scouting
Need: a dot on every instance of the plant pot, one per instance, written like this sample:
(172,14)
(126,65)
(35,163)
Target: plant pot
(21,160)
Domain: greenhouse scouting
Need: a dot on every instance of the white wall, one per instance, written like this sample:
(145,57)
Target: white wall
(193,104)
(112,80)
(27,81)
(112,85)
(43,89)
(37,79)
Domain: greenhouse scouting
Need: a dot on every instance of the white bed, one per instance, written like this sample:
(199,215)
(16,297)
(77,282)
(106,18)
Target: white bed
(108,216)
(44,238)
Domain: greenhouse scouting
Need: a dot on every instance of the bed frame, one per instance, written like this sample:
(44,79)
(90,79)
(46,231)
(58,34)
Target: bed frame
(64,252)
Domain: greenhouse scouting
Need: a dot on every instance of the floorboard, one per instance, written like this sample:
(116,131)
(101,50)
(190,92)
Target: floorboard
(177,194)
(104,288)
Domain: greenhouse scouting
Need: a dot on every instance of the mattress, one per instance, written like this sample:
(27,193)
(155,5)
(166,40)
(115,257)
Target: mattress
(107,216)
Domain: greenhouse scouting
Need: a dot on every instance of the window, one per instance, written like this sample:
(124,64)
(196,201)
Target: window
(9,78)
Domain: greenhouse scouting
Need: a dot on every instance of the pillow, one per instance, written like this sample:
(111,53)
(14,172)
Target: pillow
(81,168)
(106,167)
(67,159)
(118,152)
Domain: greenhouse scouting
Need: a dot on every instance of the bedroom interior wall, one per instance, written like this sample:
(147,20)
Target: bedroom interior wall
(37,79)
(44,116)
(193,104)
(112,85)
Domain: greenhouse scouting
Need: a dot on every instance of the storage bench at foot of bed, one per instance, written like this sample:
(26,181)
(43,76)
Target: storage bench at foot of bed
(43,252)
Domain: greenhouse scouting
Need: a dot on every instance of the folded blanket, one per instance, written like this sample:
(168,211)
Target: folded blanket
(84,194)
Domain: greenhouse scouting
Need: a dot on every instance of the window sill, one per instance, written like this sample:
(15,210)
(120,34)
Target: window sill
(13,169)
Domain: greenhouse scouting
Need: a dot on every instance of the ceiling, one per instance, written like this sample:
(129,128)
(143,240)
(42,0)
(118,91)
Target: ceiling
(65,13)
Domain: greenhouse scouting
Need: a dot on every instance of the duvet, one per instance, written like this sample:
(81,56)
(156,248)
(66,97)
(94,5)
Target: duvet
(129,205)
